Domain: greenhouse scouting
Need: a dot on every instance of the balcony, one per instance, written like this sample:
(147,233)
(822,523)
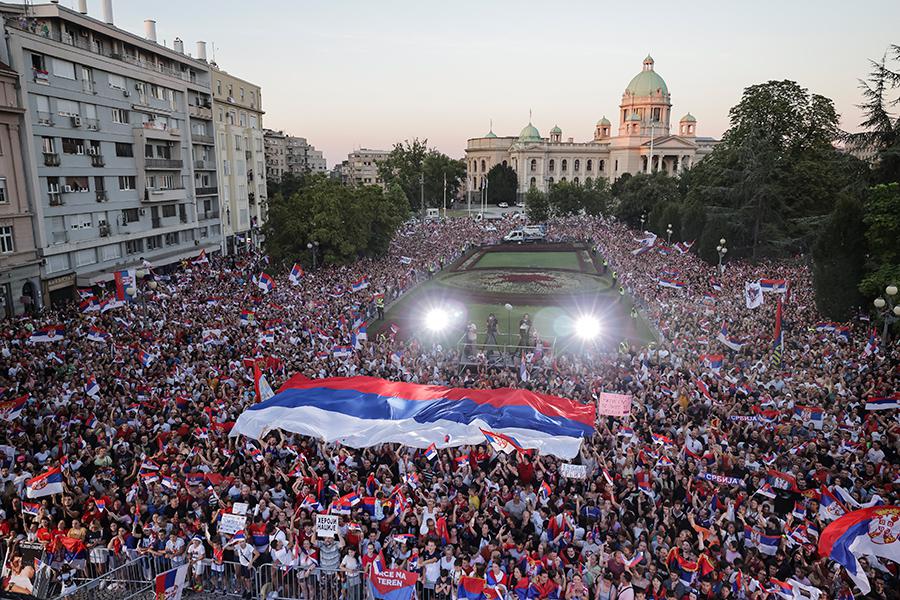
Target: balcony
(163,163)
(102,196)
(156,195)
(51,159)
(160,128)
(97,160)
(200,112)
(204,165)
(199,138)
(91,124)
(206,191)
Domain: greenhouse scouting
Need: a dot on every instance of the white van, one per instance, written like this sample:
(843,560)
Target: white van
(432,214)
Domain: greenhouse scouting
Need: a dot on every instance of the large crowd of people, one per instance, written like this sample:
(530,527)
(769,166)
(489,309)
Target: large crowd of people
(712,488)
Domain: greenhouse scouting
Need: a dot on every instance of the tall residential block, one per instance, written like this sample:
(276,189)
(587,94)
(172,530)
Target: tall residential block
(117,142)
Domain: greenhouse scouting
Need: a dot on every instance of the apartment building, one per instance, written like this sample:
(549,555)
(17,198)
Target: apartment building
(115,129)
(290,154)
(20,273)
(362,167)
(237,113)
(275,144)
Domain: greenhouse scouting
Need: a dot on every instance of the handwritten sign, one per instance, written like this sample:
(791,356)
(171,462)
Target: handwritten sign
(570,471)
(614,405)
(326,525)
(240,508)
(231,524)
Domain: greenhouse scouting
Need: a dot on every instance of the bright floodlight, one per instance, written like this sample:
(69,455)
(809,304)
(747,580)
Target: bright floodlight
(437,319)
(587,327)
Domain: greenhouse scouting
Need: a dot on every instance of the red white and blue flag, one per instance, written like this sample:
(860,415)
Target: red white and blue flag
(95,334)
(670,283)
(360,284)
(170,585)
(51,333)
(46,484)
(296,274)
(873,531)
(773,286)
(683,247)
(501,442)
(265,282)
(125,280)
(92,388)
(11,409)
(31,508)
(367,411)
(871,345)
(884,402)
(431,452)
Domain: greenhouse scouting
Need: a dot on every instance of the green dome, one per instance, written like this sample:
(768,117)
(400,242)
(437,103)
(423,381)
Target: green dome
(647,82)
(603,121)
(491,134)
(689,118)
(556,129)
(530,134)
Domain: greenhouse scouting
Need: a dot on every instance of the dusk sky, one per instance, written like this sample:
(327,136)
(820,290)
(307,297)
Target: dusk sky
(366,74)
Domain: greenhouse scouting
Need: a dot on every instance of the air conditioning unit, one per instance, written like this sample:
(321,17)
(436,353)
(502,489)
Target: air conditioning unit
(126,93)
(104,230)
(76,121)
(68,189)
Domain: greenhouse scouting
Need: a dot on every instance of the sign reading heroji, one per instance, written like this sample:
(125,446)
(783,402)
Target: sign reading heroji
(393,585)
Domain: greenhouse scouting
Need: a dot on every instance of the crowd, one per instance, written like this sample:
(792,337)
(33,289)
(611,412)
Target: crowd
(712,488)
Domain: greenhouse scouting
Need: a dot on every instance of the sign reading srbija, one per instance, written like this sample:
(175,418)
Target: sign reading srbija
(614,405)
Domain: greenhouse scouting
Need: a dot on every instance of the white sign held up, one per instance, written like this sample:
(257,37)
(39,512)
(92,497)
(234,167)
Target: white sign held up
(326,525)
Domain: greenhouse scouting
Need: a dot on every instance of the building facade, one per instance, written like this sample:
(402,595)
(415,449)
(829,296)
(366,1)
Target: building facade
(290,154)
(643,142)
(237,114)
(361,167)
(114,125)
(20,273)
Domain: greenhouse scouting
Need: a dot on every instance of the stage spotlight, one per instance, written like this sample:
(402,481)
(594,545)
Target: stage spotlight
(587,327)
(437,319)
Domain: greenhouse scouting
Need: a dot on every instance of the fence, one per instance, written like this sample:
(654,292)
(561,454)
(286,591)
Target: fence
(135,580)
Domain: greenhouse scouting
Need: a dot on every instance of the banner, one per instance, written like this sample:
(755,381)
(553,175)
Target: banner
(570,471)
(722,479)
(614,405)
(393,585)
(327,525)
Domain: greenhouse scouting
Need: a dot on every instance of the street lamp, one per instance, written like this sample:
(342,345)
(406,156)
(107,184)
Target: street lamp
(669,234)
(313,250)
(508,308)
(721,250)
(643,218)
(888,310)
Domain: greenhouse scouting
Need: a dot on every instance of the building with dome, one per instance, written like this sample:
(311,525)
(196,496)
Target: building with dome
(643,143)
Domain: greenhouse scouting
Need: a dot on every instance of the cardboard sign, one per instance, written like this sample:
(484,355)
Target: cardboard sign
(614,405)
(326,525)
(231,524)
(570,471)
(240,508)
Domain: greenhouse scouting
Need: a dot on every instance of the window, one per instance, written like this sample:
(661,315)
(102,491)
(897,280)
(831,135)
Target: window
(72,146)
(601,164)
(52,185)
(124,149)
(575,180)
(219,88)
(98,184)
(243,119)
(154,242)
(242,94)
(57,263)
(130,215)
(67,108)
(127,182)
(87,78)
(6,240)
(117,82)
(534,164)
(577,164)
(77,184)
(253,122)
(533,182)
(590,164)
(90,111)
(552,165)
(42,103)
(37,63)
(168,210)
(110,252)
(482,165)
(63,68)
(134,246)
(237,142)
(4,199)
(120,115)
(167,182)
(565,165)
(148,150)
(84,257)
(172,239)
(158,92)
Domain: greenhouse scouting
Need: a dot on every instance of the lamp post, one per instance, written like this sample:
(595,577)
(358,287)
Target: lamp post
(313,250)
(721,250)
(508,308)
(669,234)
(643,219)
(888,310)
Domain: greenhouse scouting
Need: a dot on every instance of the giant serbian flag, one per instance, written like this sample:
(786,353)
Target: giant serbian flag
(393,585)
(873,531)
(365,411)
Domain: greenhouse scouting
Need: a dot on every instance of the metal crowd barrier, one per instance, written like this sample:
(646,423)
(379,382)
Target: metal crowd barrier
(297,583)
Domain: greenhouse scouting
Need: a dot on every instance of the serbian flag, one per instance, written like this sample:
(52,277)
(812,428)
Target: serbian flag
(378,564)
(145,358)
(263,389)
(366,411)
(89,305)
(31,508)
(884,402)
(100,503)
(247,317)
(773,286)
(873,531)
(810,414)
(830,508)
(51,333)
(95,334)
(201,258)
(92,388)
(471,588)
(265,283)
(658,438)
(360,284)
(670,283)
(683,247)
(546,490)
(125,280)
(10,409)
(46,484)
(431,452)
(501,442)
(871,345)
(70,549)
(170,585)
(296,274)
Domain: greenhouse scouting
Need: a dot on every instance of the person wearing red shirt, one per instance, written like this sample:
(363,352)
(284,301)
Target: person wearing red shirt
(544,587)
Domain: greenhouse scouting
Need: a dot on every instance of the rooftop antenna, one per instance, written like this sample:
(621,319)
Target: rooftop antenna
(213,51)
(529,115)
(492,125)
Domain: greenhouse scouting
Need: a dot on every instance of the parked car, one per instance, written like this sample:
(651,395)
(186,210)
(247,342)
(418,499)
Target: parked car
(503,205)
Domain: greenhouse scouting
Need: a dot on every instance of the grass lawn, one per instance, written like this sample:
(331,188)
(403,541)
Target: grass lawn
(533,260)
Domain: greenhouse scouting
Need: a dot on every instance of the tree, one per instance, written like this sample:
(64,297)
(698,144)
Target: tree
(642,192)
(838,260)
(502,184)
(288,185)
(347,222)
(411,163)
(882,219)
(537,206)
(881,127)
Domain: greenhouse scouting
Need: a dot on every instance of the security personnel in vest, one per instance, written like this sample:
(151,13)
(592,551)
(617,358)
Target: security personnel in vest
(634,313)
(379,306)
(605,266)
(621,293)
